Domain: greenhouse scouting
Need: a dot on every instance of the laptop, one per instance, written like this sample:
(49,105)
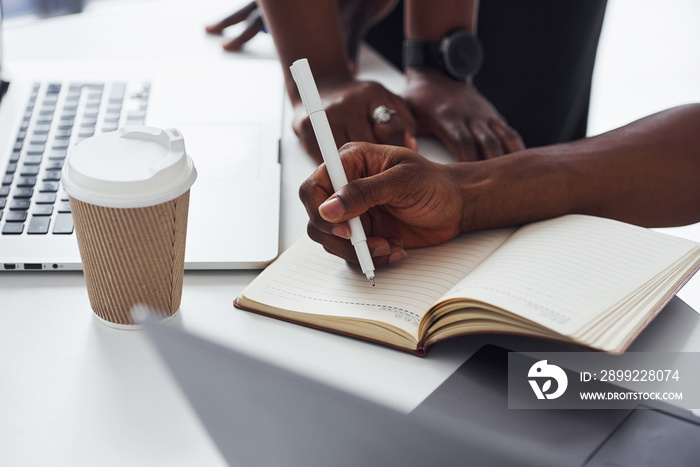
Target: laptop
(260,414)
(230,113)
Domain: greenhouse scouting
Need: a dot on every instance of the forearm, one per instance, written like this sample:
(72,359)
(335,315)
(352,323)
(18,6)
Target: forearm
(307,29)
(646,173)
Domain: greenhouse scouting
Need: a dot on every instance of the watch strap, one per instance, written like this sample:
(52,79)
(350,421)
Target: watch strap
(422,54)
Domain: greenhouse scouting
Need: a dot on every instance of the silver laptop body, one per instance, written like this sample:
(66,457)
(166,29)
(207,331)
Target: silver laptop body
(230,113)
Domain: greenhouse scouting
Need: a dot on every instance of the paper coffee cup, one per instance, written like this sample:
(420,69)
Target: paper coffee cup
(129,194)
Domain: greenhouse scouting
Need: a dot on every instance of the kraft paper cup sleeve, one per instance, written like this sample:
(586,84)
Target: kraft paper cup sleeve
(132,256)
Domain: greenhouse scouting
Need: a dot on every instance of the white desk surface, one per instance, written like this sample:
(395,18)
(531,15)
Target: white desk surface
(74,392)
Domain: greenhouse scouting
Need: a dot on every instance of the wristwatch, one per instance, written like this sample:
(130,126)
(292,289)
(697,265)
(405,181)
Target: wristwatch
(458,54)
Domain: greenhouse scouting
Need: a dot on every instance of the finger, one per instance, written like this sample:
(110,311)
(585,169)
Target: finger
(235,18)
(392,132)
(361,194)
(250,31)
(458,139)
(511,140)
(488,144)
(360,131)
(332,244)
(383,251)
(408,120)
(313,192)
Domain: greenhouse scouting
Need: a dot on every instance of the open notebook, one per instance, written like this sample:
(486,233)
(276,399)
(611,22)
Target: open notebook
(584,280)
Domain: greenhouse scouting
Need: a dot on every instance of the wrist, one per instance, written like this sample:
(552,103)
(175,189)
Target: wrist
(458,54)
(523,187)
(324,80)
(416,75)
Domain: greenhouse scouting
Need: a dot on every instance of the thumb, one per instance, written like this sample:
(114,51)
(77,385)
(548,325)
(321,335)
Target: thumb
(358,196)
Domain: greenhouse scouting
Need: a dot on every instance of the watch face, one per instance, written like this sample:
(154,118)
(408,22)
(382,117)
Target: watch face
(462,54)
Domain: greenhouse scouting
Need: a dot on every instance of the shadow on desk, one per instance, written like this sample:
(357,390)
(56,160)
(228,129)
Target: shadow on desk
(475,399)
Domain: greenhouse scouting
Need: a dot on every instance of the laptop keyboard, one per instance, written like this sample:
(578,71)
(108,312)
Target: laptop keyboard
(56,118)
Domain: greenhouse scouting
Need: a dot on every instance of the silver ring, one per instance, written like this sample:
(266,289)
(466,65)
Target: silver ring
(382,114)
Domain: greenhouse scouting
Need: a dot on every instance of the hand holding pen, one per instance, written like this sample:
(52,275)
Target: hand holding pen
(312,101)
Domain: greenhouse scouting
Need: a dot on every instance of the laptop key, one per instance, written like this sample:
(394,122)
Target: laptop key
(47,109)
(36,149)
(64,206)
(52,175)
(23,193)
(63,224)
(57,154)
(13,228)
(54,164)
(42,129)
(29,170)
(38,225)
(7,179)
(32,160)
(4,191)
(16,216)
(62,134)
(66,124)
(3,201)
(45,198)
(39,139)
(11,168)
(42,210)
(20,204)
(48,187)
(26,182)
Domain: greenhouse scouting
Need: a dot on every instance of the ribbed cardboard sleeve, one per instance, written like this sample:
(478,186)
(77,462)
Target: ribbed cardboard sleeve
(132,256)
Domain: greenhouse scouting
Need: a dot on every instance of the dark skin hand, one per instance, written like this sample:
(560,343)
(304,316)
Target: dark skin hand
(348,103)
(644,173)
(408,193)
(453,111)
(459,116)
(356,17)
(251,15)
(311,29)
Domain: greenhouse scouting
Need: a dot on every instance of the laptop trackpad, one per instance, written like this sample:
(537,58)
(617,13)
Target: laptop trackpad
(223,152)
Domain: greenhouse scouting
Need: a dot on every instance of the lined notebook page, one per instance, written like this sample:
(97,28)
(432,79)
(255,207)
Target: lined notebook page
(307,279)
(565,272)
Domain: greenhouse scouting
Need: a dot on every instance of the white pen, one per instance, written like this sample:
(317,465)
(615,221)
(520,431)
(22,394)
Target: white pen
(301,72)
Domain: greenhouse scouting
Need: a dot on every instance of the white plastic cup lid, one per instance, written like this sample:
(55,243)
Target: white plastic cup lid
(133,167)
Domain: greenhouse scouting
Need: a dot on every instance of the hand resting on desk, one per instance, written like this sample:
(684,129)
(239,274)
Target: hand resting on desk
(644,173)
(328,34)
